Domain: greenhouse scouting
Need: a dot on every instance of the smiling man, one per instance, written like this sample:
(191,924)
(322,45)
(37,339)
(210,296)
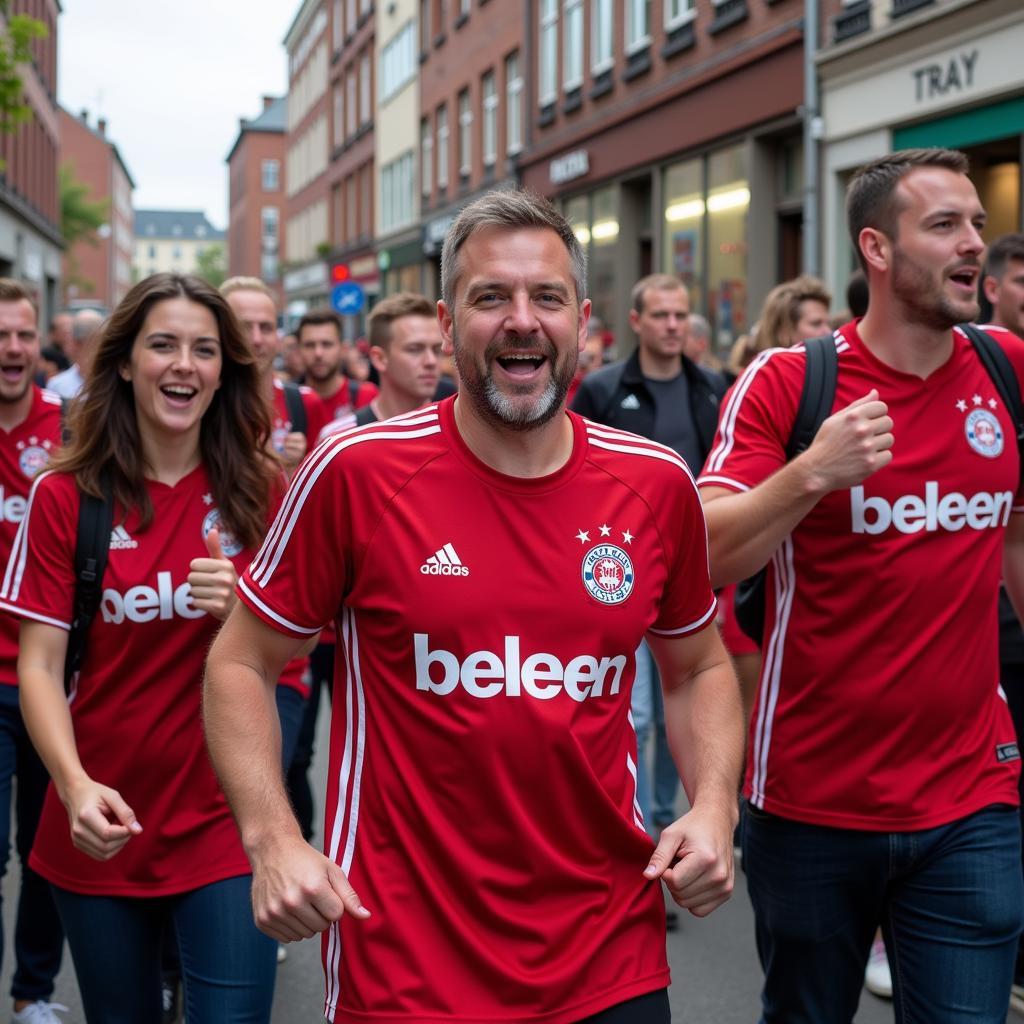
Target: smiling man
(492,563)
(882,768)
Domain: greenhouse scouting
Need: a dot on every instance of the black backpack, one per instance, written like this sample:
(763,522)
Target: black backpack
(816,398)
(296,408)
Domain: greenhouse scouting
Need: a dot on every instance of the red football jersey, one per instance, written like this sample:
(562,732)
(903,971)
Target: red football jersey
(24,452)
(340,405)
(482,784)
(879,704)
(136,707)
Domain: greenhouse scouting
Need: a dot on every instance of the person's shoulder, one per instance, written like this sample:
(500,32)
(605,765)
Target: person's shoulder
(602,382)
(636,461)
(48,401)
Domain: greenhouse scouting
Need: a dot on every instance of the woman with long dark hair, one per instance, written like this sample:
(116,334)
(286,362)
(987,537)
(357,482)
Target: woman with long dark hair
(135,832)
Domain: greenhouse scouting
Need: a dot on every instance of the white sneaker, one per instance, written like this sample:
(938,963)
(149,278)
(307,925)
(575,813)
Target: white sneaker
(39,1012)
(282,953)
(878,977)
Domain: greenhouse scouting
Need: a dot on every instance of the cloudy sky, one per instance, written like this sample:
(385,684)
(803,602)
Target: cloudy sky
(172,78)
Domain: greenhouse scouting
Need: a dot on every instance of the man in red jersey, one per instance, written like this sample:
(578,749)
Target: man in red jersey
(31,422)
(323,356)
(492,563)
(882,767)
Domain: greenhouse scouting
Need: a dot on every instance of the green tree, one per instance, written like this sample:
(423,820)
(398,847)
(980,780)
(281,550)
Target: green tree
(80,219)
(210,264)
(17,35)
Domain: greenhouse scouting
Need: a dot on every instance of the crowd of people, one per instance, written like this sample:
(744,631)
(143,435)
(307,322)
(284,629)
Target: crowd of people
(513,611)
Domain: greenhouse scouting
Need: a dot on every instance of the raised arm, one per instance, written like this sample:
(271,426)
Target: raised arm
(745,528)
(297,892)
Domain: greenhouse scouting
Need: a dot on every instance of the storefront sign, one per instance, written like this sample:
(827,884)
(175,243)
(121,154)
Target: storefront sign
(362,269)
(952,76)
(568,167)
(314,275)
(434,233)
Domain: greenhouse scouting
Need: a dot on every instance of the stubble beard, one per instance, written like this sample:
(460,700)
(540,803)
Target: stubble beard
(914,288)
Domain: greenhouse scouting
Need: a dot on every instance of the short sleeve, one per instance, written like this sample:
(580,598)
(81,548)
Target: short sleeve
(755,422)
(300,575)
(688,603)
(39,581)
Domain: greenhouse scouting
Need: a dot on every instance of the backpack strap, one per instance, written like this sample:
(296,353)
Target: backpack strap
(353,392)
(296,407)
(998,366)
(819,392)
(95,522)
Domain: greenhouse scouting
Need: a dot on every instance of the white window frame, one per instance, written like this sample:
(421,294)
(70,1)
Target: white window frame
(547,53)
(465,133)
(602,31)
(633,10)
(266,166)
(572,44)
(426,158)
(687,12)
(513,105)
(489,126)
(273,221)
(443,145)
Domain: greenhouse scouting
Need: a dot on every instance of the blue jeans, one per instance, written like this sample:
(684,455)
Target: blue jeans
(648,709)
(38,936)
(949,900)
(227,965)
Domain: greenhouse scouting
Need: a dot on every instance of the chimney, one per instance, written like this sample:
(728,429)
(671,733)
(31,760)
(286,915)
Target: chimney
(101,126)
(268,102)
(84,116)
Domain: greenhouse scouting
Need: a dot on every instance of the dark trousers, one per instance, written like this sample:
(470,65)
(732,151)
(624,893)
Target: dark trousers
(950,901)
(1011,677)
(651,1008)
(321,668)
(38,936)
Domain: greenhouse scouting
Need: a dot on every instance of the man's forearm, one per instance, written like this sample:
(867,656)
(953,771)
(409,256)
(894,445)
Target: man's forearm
(744,530)
(243,735)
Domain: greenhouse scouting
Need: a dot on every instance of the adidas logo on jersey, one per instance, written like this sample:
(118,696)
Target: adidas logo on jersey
(120,540)
(144,604)
(444,562)
(912,513)
(12,507)
(484,674)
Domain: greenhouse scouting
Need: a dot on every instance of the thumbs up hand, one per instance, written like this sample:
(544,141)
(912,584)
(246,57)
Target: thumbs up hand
(212,580)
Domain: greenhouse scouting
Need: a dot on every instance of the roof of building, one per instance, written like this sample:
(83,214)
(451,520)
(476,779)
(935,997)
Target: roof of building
(83,120)
(274,118)
(183,224)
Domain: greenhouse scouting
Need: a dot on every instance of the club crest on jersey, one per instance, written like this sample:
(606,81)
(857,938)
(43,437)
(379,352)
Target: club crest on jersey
(608,573)
(228,544)
(33,457)
(984,434)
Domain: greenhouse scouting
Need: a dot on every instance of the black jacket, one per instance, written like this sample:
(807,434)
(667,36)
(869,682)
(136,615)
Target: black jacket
(601,395)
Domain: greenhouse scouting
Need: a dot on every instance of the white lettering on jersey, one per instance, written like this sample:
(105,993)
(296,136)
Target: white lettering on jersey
(912,513)
(12,507)
(484,674)
(143,604)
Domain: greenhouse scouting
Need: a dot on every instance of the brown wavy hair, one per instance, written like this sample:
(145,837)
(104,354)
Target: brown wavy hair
(104,430)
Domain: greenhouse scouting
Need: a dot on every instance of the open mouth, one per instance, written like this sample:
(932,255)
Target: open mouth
(521,364)
(178,394)
(965,277)
(12,374)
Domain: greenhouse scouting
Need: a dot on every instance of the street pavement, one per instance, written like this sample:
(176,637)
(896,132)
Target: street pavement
(715,974)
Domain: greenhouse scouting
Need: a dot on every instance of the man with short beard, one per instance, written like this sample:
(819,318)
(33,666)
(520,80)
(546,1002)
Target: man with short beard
(323,358)
(492,562)
(882,769)
(31,423)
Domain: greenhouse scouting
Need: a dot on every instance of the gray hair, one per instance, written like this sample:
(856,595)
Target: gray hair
(699,326)
(85,324)
(508,209)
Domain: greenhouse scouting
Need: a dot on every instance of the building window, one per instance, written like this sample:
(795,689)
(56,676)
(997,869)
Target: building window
(601,57)
(572,52)
(365,90)
(337,25)
(350,17)
(442,146)
(339,114)
(465,134)
(350,103)
(268,267)
(547,68)
(268,227)
(396,193)
(677,12)
(365,6)
(398,61)
(464,6)
(270,173)
(513,105)
(425,6)
(426,158)
(152,252)
(638,24)
(176,253)
(490,120)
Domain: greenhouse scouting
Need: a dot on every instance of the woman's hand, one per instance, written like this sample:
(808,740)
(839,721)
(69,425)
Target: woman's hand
(212,580)
(101,822)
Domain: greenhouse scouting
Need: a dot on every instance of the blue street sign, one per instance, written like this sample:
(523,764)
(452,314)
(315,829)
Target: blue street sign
(348,298)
